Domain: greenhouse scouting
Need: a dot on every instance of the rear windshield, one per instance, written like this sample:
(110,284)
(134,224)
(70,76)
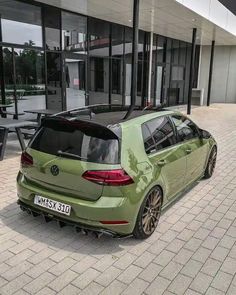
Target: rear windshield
(68,140)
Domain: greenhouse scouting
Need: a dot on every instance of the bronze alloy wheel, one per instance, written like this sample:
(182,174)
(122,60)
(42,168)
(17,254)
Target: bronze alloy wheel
(152,211)
(212,161)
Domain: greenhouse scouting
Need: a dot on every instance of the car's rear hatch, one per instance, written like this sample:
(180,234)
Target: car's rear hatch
(64,150)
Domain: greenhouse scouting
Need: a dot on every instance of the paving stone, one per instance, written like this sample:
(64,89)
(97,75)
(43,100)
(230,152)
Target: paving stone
(108,276)
(145,259)
(150,272)
(201,283)
(46,291)
(211,267)
(15,285)
(210,243)
(229,266)
(129,274)
(213,291)
(70,290)
(86,278)
(63,280)
(191,268)
(125,261)
(222,281)
(175,246)
(39,283)
(183,256)
(180,284)
(160,284)
(92,289)
(164,257)
(227,242)
(171,270)
(231,290)
(136,287)
(201,254)
(115,288)
(220,253)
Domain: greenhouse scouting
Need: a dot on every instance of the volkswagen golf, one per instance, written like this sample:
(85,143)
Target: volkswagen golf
(104,174)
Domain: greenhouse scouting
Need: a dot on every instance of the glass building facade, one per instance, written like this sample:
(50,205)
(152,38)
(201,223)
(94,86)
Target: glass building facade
(56,59)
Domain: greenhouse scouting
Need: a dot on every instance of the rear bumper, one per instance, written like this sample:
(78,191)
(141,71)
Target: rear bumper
(84,214)
(64,222)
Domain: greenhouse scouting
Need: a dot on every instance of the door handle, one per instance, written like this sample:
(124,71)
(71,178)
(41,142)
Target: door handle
(161,163)
(188,151)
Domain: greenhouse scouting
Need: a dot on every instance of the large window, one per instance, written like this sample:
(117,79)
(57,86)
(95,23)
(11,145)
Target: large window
(74,32)
(52,20)
(24,78)
(54,78)
(21,23)
(99,37)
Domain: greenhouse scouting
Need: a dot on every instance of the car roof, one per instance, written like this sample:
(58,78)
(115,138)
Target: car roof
(136,117)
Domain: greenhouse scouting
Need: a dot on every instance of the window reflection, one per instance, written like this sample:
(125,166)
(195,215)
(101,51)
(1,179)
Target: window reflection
(52,28)
(24,79)
(74,30)
(99,37)
(162,132)
(99,80)
(21,23)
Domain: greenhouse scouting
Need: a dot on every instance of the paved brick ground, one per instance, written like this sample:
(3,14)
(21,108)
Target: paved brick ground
(192,252)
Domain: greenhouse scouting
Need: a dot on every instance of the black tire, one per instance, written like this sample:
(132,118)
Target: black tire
(149,214)
(210,168)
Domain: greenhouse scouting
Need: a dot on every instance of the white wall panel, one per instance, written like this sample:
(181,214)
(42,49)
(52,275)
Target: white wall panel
(231,25)
(218,14)
(202,7)
(224,73)
(213,11)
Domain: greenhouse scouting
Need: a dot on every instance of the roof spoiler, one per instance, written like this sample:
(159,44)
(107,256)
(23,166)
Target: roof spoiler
(87,127)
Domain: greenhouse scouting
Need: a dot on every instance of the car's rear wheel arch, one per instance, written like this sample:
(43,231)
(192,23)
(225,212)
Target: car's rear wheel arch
(138,229)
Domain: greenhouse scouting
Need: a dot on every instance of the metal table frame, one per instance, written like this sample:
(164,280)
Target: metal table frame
(6,125)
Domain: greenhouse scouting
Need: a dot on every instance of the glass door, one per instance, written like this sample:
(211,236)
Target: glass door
(74,80)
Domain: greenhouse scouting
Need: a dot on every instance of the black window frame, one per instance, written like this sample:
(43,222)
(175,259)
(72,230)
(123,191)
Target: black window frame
(155,144)
(179,141)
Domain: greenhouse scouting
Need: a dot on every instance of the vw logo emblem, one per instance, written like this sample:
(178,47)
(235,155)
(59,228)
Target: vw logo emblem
(54,170)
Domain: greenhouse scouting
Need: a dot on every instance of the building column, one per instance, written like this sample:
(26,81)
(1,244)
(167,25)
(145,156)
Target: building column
(192,62)
(134,57)
(210,73)
(150,69)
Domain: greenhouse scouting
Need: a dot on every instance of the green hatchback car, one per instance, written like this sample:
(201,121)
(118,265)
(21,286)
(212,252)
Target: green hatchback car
(109,175)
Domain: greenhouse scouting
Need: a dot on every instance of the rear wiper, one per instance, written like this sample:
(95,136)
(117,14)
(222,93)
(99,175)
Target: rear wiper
(69,155)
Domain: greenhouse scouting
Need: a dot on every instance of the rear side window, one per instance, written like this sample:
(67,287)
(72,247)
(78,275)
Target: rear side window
(149,143)
(160,132)
(74,141)
(186,129)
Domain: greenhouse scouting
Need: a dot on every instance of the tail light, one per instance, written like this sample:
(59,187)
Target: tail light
(26,160)
(117,177)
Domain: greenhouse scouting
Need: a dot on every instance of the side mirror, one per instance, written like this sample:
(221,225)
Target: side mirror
(204,134)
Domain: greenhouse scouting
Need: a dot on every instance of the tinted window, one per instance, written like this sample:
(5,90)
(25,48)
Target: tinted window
(72,140)
(186,129)
(162,132)
(149,143)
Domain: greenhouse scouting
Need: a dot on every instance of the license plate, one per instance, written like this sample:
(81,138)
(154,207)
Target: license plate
(52,205)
